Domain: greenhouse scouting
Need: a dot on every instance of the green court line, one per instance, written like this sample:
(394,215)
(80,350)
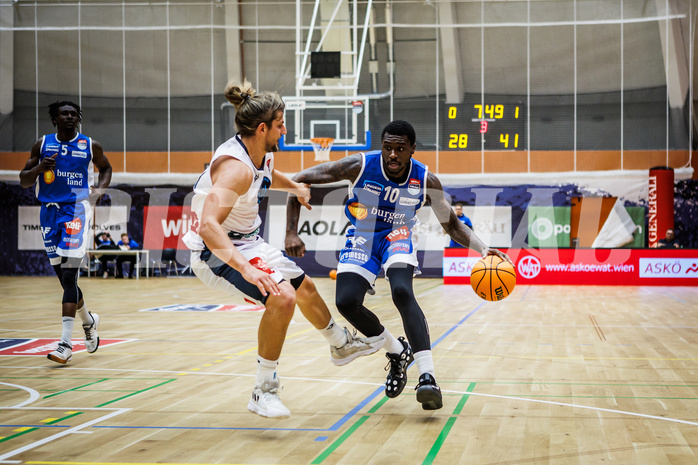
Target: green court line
(431,456)
(75,388)
(326,453)
(380,403)
(136,393)
(29,430)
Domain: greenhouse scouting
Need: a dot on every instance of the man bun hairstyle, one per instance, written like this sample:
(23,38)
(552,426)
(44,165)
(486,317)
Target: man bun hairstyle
(55,106)
(400,128)
(251,108)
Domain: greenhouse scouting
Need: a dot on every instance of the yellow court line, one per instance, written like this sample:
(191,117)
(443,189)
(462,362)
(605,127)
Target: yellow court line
(34,462)
(566,358)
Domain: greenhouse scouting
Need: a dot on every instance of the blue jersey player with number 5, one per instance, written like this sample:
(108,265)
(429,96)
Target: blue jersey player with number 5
(61,167)
(387,189)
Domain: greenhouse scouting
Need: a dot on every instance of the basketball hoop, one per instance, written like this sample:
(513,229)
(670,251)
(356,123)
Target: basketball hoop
(322,147)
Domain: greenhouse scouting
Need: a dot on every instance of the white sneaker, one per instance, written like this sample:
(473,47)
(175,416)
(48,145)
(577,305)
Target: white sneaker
(265,400)
(62,354)
(105,275)
(355,348)
(91,336)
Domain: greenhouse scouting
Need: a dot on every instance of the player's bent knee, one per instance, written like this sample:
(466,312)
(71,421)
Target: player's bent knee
(284,304)
(402,294)
(71,292)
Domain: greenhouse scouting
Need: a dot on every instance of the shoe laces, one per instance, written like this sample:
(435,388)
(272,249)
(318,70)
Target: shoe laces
(62,346)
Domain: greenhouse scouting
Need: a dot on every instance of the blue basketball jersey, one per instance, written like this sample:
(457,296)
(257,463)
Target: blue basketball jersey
(378,204)
(70,181)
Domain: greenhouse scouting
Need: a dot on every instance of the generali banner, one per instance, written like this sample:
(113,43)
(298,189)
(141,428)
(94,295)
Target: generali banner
(635,267)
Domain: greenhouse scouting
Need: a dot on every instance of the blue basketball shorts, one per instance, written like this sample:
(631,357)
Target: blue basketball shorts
(63,227)
(365,253)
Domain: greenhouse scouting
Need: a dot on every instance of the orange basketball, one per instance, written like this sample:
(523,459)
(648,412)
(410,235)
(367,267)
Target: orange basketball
(333,274)
(493,278)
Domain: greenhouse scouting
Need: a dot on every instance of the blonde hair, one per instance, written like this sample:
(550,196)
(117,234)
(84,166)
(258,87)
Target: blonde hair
(252,109)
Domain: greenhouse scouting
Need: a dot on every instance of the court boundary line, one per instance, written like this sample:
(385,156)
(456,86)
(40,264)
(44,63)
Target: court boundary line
(71,430)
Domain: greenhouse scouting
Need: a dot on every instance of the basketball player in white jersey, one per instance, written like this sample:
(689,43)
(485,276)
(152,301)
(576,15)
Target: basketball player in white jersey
(229,254)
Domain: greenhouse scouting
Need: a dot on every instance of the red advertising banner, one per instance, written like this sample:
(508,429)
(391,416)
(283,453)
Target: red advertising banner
(661,203)
(163,227)
(634,267)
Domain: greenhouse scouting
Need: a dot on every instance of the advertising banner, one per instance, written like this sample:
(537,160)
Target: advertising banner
(323,228)
(112,219)
(549,226)
(635,267)
(163,227)
(661,203)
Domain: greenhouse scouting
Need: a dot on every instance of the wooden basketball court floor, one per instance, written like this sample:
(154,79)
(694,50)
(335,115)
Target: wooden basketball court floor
(551,375)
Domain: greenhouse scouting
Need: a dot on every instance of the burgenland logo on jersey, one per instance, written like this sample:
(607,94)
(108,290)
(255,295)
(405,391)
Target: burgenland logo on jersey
(358,210)
(529,267)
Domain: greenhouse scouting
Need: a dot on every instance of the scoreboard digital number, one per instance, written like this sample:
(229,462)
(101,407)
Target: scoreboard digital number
(496,126)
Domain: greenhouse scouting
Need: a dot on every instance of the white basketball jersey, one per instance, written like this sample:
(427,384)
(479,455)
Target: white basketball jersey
(244,218)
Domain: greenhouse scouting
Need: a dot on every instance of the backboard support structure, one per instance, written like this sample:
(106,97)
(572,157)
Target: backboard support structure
(329,106)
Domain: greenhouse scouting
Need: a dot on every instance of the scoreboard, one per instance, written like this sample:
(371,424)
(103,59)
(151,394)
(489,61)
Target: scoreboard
(488,126)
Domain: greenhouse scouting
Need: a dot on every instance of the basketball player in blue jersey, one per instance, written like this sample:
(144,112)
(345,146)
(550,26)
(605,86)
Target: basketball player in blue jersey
(227,252)
(62,167)
(387,188)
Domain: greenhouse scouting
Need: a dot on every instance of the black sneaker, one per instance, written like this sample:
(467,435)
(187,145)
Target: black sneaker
(429,393)
(398,363)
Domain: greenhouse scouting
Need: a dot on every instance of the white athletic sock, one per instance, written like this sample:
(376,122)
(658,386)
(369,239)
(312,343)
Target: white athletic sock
(67,334)
(334,334)
(391,345)
(266,369)
(424,361)
(84,315)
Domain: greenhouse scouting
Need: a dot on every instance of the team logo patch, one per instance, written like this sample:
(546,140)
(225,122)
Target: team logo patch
(42,347)
(73,227)
(373,187)
(49,177)
(260,264)
(398,234)
(413,186)
(358,211)
(82,144)
(206,308)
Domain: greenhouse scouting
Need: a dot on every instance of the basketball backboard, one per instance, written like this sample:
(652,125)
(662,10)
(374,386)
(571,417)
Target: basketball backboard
(345,119)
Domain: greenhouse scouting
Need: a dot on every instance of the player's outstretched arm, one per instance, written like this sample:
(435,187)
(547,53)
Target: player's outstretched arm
(450,222)
(346,169)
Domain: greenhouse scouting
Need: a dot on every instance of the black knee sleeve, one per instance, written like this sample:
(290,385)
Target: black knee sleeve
(69,281)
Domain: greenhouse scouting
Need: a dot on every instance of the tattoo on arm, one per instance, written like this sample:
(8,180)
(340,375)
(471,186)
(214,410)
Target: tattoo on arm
(346,169)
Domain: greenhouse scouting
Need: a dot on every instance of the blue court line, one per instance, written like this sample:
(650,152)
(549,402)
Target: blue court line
(524,295)
(453,328)
(334,427)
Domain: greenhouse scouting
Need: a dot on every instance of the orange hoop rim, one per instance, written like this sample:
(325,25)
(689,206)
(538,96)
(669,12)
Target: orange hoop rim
(323,142)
